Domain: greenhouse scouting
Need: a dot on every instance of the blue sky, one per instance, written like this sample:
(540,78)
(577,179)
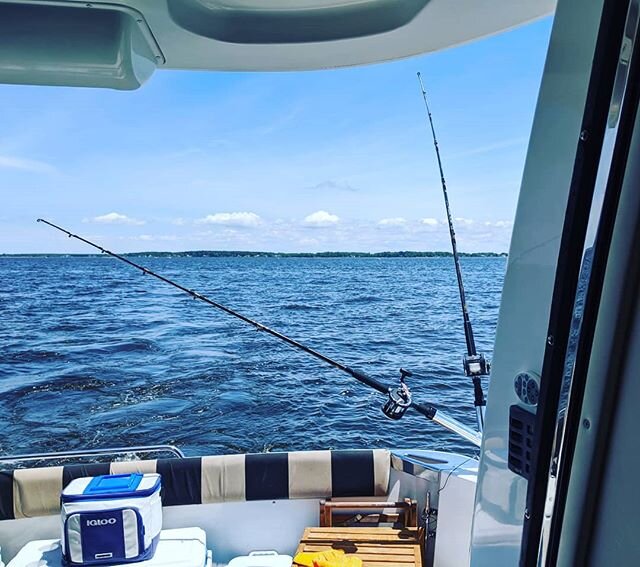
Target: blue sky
(324,160)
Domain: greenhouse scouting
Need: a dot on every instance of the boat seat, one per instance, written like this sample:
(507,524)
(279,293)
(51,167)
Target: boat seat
(27,493)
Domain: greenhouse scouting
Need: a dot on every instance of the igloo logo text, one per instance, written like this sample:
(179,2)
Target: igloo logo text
(101,522)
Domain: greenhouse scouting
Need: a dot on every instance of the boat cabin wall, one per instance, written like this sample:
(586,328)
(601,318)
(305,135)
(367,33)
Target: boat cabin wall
(521,335)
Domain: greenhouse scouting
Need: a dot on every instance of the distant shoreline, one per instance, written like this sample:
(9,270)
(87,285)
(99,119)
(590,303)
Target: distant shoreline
(245,254)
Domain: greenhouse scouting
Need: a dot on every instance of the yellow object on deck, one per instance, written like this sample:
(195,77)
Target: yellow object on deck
(307,559)
(330,558)
(344,561)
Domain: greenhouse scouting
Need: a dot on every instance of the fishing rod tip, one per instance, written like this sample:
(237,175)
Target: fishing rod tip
(39,220)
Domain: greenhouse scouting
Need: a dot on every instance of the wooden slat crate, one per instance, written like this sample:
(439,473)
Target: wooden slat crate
(349,512)
(377,547)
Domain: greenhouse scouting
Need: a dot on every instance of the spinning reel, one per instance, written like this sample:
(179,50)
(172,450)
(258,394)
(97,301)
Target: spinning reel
(399,399)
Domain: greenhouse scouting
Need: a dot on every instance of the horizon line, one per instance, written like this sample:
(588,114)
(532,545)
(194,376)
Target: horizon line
(244,253)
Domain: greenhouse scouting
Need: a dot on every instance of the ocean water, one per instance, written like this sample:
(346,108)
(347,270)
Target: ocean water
(94,354)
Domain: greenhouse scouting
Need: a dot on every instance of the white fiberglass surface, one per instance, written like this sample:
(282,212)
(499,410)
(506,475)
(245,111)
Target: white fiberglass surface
(526,299)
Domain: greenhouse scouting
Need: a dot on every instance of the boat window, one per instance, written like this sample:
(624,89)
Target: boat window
(310,202)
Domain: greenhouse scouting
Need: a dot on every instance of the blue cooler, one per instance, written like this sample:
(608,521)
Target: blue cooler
(111,519)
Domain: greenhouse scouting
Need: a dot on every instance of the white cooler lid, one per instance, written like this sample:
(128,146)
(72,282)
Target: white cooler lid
(184,547)
(262,559)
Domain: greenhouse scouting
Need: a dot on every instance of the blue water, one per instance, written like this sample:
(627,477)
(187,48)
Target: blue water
(93,354)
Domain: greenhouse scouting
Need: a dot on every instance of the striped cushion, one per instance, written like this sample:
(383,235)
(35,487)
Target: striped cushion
(26,493)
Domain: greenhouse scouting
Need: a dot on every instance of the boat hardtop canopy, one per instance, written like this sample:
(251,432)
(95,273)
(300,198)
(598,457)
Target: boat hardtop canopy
(119,44)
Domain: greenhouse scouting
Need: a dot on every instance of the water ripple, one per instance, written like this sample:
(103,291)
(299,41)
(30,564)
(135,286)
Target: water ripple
(93,355)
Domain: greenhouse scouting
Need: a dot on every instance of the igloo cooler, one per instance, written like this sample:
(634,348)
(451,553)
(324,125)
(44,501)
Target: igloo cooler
(111,519)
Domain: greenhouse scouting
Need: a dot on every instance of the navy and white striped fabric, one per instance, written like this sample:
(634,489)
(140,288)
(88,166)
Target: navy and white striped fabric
(26,493)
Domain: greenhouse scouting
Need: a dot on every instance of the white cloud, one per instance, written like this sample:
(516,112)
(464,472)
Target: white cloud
(178,221)
(321,218)
(430,222)
(232,219)
(156,237)
(308,241)
(334,185)
(280,122)
(503,144)
(290,235)
(464,221)
(10,162)
(395,221)
(499,224)
(114,218)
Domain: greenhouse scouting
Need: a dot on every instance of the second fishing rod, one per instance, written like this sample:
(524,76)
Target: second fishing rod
(474,363)
(399,399)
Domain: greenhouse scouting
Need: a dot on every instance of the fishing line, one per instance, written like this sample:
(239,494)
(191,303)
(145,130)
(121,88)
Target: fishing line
(399,398)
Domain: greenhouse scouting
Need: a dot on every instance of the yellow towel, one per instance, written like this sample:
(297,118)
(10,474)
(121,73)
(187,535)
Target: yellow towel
(307,559)
(344,561)
(331,558)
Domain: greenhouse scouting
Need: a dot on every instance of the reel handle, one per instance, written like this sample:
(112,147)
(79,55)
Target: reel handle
(405,374)
(399,400)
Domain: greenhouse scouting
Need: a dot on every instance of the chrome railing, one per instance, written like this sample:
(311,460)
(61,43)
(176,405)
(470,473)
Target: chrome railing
(106,452)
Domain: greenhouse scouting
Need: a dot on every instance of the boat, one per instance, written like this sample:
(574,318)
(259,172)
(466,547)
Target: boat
(555,479)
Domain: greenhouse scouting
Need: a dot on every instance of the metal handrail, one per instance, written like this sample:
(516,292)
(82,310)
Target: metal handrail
(110,451)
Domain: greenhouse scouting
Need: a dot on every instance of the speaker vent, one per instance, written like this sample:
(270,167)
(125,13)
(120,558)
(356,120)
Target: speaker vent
(521,434)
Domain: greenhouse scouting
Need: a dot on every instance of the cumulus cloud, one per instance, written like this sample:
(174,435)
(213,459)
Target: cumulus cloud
(114,218)
(322,230)
(156,237)
(321,218)
(11,162)
(395,221)
(232,219)
(464,221)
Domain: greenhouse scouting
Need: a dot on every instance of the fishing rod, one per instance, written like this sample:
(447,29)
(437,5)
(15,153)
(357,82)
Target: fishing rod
(474,363)
(399,398)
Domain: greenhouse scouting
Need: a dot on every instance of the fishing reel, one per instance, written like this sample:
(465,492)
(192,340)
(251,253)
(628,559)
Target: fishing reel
(475,365)
(399,398)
